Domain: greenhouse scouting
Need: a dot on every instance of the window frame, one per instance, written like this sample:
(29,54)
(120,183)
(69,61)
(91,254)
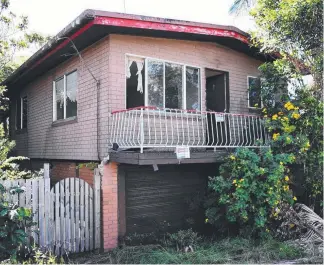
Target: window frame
(64,103)
(248,92)
(184,86)
(20,101)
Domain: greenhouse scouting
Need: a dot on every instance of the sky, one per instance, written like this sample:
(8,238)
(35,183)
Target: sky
(50,16)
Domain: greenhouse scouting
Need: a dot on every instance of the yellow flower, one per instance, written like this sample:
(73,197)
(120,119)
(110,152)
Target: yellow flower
(206,220)
(285,118)
(232,157)
(241,180)
(275,117)
(289,106)
(307,145)
(286,178)
(264,110)
(296,116)
(281,163)
(295,199)
(239,186)
(275,136)
(286,187)
(280,113)
(234,181)
(296,108)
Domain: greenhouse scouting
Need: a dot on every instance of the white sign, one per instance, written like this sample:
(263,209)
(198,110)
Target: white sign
(182,152)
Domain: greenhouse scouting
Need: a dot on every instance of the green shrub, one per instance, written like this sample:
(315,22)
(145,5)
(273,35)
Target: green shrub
(14,221)
(250,190)
(183,240)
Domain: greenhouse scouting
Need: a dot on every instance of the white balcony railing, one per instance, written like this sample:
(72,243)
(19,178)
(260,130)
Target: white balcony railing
(150,127)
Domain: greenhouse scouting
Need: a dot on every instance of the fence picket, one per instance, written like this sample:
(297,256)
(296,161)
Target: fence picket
(62,217)
(86,218)
(91,217)
(35,207)
(77,215)
(72,223)
(48,206)
(81,215)
(97,208)
(41,221)
(22,195)
(58,242)
(67,216)
(28,204)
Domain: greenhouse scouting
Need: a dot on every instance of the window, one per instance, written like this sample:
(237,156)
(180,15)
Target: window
(254,92)
(166,84)
(65,97)
(21,113)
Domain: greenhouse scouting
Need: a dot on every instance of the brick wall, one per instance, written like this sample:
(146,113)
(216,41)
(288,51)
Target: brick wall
(110,206)
(62,170)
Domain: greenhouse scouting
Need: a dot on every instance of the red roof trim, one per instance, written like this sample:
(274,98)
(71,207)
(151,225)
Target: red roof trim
(141,24)
(65,42)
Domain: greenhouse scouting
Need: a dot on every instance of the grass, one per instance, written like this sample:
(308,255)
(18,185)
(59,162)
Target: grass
(234,250)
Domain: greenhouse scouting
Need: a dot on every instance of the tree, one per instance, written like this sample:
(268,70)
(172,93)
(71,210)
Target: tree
(14,37)
(240,6)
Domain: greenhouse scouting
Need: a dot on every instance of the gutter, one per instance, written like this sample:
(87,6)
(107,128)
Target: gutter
(40,55)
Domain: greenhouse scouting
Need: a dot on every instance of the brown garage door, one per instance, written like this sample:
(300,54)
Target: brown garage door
(159,200)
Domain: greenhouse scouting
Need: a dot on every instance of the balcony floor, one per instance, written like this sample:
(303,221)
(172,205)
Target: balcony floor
(151,157)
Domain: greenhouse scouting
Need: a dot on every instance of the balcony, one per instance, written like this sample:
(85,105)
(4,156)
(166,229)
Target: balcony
(150,128)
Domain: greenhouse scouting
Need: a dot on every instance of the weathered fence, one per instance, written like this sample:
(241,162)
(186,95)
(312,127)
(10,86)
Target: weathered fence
(67,216)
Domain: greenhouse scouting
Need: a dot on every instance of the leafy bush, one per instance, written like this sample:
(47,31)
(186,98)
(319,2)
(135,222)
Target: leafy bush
(250,190)
(14,221)
(183,240)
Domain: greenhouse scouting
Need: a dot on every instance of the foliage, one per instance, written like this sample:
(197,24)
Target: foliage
(14,37)
(183,240)
(240,6)
(232,250)
(294,30)
(250,190)
(14,220)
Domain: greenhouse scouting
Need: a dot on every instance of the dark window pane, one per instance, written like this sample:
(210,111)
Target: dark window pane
(155,83)
(18,114)
(254,92)
(173,86)
(193,88)
(24,112)
(71,95)
(59,97)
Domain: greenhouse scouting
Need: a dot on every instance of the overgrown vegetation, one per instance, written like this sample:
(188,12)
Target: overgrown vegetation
(232,250)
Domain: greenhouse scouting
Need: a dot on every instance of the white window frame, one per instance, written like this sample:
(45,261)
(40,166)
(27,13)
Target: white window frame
(21,103)
(184,86)
(54,97)
(248,92)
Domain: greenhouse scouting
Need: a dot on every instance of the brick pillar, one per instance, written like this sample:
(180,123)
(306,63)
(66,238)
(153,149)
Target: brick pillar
(110,206)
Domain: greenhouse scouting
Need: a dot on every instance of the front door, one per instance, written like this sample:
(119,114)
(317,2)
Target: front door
(217,100)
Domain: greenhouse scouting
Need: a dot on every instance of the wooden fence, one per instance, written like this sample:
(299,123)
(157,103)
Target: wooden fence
(67,214)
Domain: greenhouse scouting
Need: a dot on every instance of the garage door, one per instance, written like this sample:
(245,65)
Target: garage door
(162,200)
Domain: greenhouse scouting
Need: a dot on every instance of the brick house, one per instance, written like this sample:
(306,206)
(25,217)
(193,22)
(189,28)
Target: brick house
(130,91)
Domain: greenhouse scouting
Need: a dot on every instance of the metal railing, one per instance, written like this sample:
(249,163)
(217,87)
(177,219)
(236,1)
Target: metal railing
(151,127)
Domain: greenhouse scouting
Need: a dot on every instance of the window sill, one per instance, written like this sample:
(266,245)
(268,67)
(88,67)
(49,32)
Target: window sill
(64,122)
(21,131)
(255,110)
